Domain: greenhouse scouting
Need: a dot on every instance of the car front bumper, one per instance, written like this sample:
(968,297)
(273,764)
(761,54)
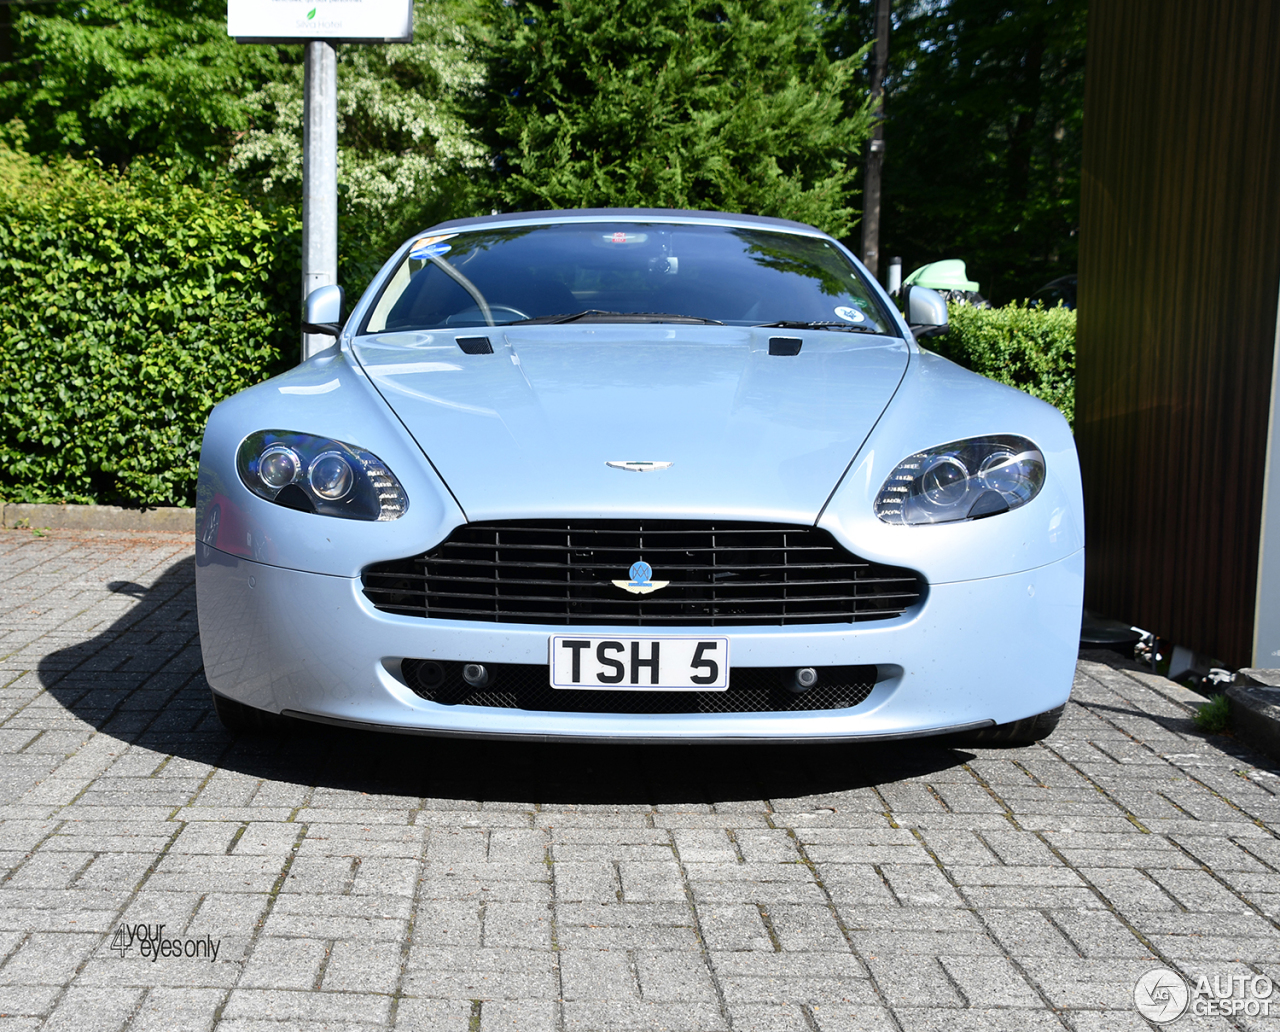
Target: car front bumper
(975,652)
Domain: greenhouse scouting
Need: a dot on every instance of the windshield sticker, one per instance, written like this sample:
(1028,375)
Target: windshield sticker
(626,238)
(430,251)
(850,314)
(428,247)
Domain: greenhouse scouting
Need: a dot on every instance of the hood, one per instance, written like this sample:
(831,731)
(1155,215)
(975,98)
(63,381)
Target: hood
(527,430)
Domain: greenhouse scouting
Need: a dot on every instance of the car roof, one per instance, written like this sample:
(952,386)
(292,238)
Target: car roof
(554,216)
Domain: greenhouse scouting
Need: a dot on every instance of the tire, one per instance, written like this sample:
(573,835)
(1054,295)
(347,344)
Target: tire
(1017,732)
(240,719)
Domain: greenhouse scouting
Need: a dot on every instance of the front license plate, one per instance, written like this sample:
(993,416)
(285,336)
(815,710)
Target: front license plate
(666,664)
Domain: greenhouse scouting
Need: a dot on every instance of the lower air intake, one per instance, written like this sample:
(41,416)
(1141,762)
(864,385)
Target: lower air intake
(751,690)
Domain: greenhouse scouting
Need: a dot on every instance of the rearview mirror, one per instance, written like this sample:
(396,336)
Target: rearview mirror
(322,311)
(926,311)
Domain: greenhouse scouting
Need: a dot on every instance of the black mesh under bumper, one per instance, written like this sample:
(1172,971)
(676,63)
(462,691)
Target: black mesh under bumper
(526,687)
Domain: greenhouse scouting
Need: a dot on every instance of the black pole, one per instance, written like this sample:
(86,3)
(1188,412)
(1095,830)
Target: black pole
(875,154)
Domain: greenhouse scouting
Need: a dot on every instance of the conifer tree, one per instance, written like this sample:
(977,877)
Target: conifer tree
(713,104)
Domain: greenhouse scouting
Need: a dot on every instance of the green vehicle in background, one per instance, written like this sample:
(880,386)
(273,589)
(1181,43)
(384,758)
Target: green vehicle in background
(948,278)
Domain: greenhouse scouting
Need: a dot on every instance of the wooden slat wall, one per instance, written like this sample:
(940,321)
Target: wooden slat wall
(1179,273)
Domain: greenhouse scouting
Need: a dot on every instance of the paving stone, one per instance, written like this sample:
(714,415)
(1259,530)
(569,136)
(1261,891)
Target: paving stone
(436,1015)
(472,974)
(519,1016)
(362,882)
(1098,933)
(766,1017)
(913,981)
(781,978)
(674,977)
(988,982)
(97,1009)
(284,964)
(644,882)
(292,1006)
(47,958)
(627,926)
(165,1009)
(372,967)
(734,926)
(641,1015)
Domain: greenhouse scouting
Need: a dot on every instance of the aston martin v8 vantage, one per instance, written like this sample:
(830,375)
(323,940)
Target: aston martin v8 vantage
(637,475)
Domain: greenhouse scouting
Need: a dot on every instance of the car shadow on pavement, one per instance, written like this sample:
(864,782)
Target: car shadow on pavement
(140,680)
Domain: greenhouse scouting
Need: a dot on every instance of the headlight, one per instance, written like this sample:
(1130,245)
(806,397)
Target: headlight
(315,474)
(963,480)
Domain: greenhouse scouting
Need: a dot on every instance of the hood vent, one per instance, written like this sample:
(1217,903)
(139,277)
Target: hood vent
(475,345)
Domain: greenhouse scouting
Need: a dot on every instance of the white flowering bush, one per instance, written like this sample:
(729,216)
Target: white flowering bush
(402,152)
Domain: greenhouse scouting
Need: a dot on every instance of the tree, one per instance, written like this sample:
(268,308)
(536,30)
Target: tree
(726,104)
(402,147)
(159,78)
(984,107)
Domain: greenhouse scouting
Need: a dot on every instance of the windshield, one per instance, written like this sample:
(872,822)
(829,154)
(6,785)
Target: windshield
(625,272)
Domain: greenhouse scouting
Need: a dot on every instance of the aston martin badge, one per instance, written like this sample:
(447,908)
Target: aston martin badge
(640,583)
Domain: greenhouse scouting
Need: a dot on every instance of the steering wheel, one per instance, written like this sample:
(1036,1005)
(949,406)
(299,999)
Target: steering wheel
(473,316)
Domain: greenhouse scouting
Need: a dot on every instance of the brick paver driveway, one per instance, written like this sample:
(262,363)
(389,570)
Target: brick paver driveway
(367,881)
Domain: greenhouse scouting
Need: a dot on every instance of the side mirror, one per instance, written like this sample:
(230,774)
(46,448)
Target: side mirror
(926,311)
(322,311)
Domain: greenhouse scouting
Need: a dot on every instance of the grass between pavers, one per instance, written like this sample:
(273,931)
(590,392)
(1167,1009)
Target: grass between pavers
(1214,717)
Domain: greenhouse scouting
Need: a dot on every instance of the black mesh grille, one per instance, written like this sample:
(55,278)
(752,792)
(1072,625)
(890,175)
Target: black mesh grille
(527,687)
(719,574)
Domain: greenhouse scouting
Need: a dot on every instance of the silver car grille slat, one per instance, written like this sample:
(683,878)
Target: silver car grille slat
(558,573)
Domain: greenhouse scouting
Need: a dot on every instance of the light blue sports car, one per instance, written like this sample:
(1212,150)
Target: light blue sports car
(643,475)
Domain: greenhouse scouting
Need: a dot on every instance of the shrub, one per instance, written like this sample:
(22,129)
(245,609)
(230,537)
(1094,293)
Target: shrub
(129,306)
(1031,348)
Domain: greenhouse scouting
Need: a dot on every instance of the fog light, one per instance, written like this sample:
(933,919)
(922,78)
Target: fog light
(475,675)
(430,674)
(806,677)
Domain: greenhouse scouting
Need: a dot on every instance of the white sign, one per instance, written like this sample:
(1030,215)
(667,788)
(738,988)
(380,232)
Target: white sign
(367,21)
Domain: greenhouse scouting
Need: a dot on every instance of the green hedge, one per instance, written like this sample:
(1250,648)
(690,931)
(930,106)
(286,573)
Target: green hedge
(1031,348)
(129,306)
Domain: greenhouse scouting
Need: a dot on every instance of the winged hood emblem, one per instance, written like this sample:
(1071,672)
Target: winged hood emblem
(641,582)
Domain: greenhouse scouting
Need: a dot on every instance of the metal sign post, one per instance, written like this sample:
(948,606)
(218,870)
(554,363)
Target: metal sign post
(319,178)
(320,24)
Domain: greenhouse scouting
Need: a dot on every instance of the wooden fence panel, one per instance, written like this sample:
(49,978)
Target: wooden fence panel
(1179,274)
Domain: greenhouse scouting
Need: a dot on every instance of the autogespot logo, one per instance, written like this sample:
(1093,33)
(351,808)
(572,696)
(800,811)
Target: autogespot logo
(1161,995)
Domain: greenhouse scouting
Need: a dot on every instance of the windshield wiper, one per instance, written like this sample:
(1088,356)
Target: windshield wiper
(596,315)
(792,324)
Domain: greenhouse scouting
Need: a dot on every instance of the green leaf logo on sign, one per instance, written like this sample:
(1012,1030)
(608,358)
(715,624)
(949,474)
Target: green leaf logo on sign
(311,14)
